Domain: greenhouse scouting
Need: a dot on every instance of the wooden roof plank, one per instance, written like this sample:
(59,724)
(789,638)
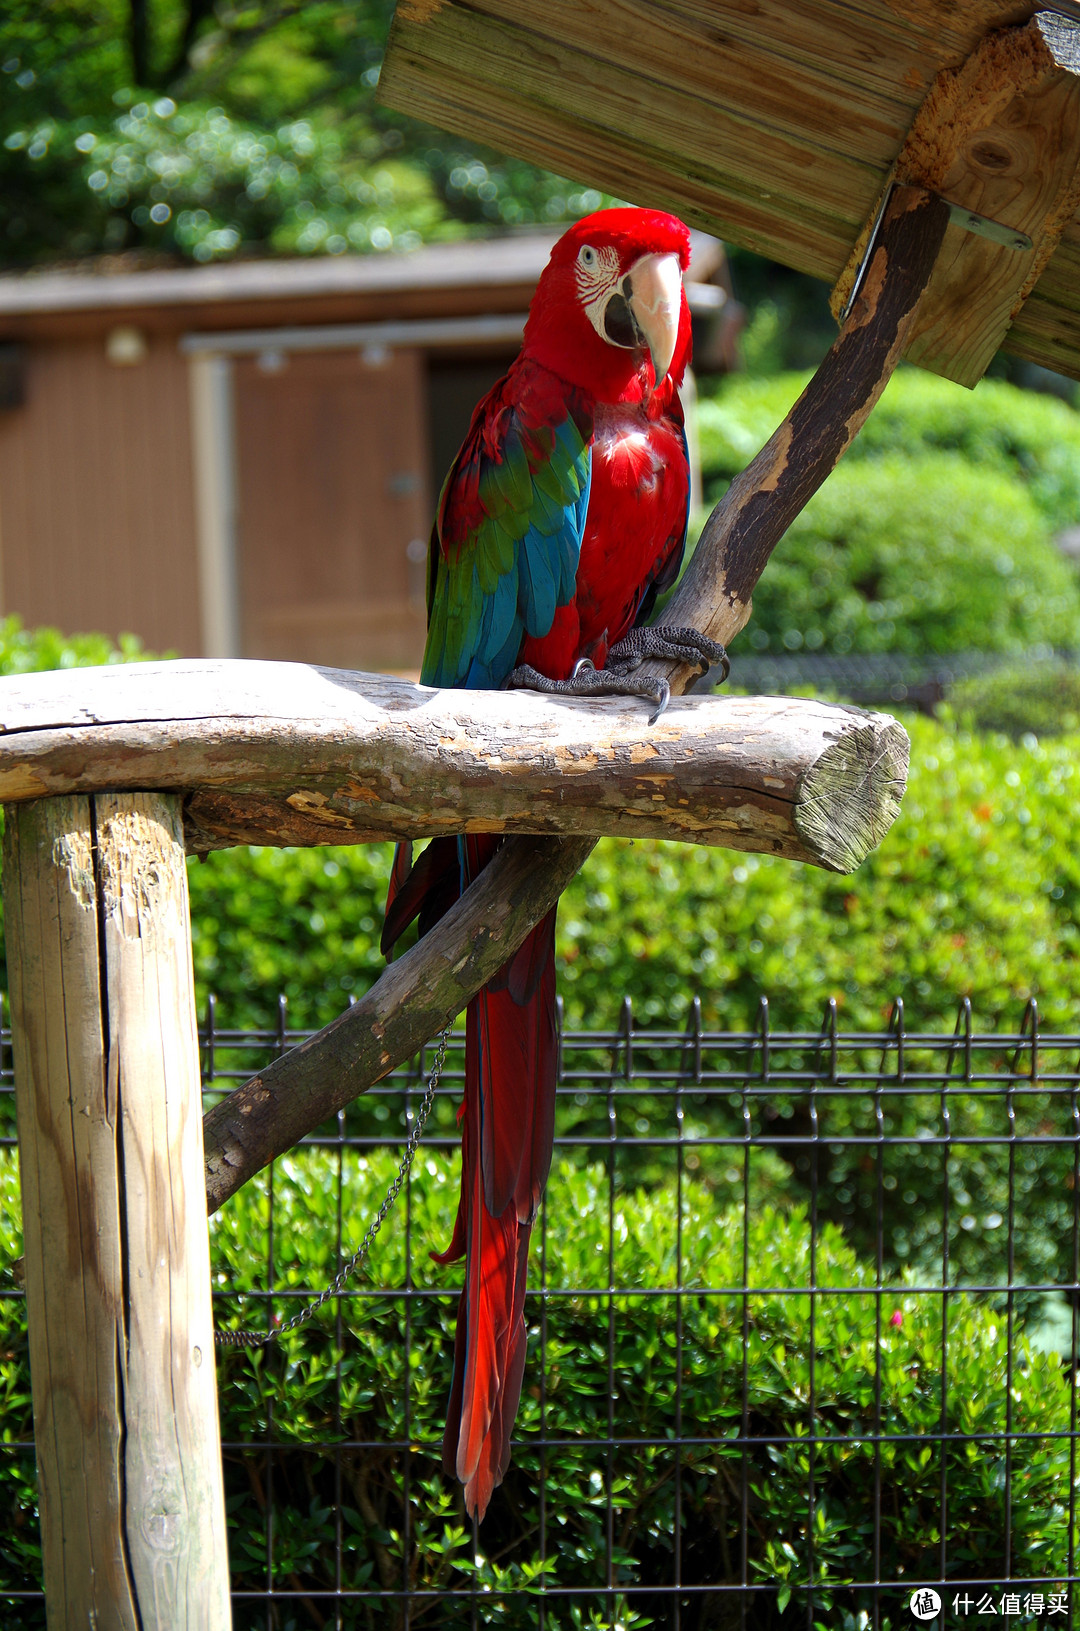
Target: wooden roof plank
(722,145)
(879,61)
(599,159)
(999,136)
(773,123)
(769,87)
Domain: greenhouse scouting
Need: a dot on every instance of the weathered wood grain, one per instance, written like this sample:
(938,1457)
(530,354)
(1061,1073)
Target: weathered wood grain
(415,997)
(284,753)
(774,125)
(999,135)
(117,1257)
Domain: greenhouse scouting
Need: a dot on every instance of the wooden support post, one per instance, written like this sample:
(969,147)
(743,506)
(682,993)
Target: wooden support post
(117,1254)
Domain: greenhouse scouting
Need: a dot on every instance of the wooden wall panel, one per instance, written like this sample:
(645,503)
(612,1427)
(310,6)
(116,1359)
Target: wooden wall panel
(332,481)
(97,526)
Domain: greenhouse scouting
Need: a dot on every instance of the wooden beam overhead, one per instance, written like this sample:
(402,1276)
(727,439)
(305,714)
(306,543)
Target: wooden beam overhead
(998,137)
(776,127)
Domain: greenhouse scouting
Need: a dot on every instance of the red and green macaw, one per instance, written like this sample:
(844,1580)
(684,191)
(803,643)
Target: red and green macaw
(562,518)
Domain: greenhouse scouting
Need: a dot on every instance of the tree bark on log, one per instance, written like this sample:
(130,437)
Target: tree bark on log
(714,596)
(281,753)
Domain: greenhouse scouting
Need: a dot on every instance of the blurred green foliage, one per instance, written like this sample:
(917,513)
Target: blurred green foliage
(870,1359)
(206,131)
(1035,439)
(917,555)
(935,533)
(1042,699)
(24,651)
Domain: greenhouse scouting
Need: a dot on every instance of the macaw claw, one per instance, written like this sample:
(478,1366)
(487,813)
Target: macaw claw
(587,681)
(618,677)
(677,644)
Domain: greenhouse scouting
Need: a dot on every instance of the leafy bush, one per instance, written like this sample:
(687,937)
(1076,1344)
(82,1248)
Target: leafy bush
(926,554)
(388,1374)
(303,922)
(933,534)
(249,130)
(1042,699)
(23,651)
(998,427)
(203,183)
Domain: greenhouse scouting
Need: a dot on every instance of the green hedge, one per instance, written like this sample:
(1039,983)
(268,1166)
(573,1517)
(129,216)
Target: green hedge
(1031,438)
(661,1367)
(913,555)
(24,651)
(935,533)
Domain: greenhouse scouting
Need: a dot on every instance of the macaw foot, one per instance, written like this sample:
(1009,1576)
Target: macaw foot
(680,645)
(618,679)
(587,681)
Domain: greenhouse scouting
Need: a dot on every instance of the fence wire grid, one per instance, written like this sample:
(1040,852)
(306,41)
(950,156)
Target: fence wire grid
(802,1323)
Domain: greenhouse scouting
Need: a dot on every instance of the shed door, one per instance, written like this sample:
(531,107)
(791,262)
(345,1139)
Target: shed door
(332,488)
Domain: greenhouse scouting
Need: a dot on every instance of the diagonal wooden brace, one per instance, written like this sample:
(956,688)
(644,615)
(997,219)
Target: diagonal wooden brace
(999,139)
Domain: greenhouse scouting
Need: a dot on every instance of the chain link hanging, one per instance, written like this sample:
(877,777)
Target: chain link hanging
(261,1339)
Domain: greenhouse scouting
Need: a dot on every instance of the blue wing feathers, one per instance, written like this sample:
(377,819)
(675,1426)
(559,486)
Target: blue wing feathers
(501,575)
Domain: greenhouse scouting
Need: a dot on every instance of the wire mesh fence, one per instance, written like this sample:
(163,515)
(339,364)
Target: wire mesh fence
(802,1319)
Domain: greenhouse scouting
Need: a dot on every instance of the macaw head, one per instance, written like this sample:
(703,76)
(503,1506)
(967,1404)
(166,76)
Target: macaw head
(609,313)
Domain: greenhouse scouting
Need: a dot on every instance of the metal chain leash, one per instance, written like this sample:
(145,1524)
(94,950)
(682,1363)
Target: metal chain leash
(261,1339)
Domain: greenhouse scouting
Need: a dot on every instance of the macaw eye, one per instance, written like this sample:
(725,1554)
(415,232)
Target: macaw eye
(587,256)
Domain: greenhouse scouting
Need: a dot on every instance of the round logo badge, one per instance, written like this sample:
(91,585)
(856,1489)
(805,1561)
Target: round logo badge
(925,1603)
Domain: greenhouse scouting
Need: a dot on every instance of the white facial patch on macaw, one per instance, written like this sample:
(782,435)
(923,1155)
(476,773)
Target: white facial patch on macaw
(636,310)
(596,276)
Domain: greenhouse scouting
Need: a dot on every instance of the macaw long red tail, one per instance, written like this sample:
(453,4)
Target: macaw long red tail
(508,1124)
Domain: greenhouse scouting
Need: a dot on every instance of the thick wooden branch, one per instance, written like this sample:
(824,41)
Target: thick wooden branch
(762,502)
(715,595)
(280,753)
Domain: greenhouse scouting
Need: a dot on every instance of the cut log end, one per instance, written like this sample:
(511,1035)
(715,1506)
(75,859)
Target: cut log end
(847,801)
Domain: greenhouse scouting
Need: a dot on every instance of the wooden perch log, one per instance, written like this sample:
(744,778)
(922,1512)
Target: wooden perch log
(527,875)
(280,753)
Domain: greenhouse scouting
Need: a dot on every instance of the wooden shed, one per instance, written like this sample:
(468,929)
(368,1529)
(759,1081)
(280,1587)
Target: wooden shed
(241,460)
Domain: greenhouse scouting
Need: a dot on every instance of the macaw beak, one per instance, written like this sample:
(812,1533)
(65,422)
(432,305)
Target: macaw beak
(653,293)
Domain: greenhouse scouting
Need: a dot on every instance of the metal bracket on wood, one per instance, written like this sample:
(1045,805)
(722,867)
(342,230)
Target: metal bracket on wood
(967,220)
